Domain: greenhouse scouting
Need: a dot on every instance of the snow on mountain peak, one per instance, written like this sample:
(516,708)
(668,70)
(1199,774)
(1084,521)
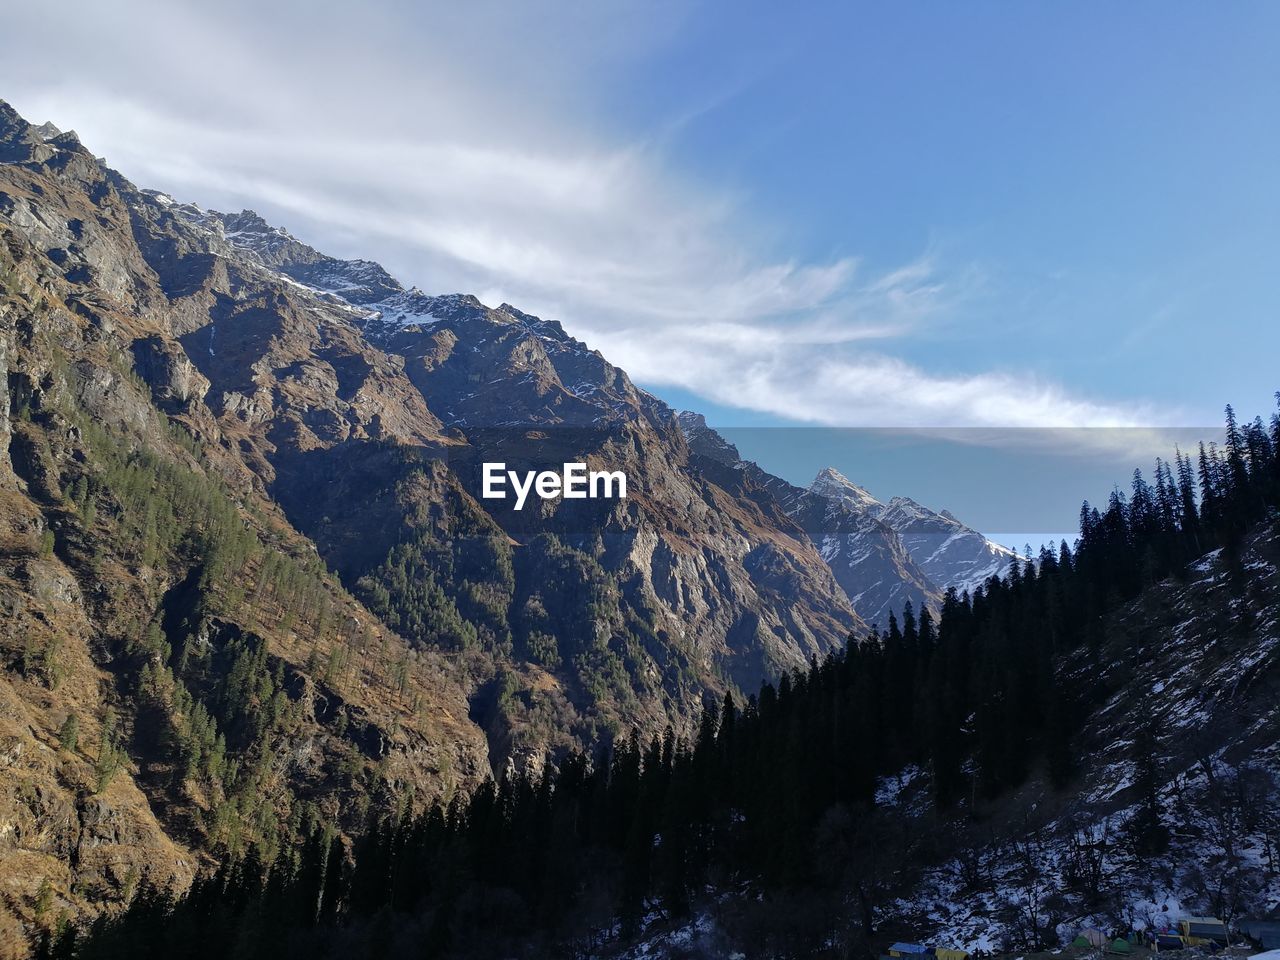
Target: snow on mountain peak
(949,552)
(831,483)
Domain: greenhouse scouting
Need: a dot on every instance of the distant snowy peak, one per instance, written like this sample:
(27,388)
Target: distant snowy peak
(833,485)
(903,512)
(950,553)
(865,556)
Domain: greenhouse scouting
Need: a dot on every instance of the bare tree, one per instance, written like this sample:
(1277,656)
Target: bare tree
(1032,910)
(1084,864)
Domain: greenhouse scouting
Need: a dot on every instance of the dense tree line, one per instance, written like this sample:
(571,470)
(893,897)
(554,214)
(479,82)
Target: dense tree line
(778,792)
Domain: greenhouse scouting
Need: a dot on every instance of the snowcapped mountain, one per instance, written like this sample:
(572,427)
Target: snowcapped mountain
(950,553)
(833,485)
(362,287)
(882,554)
(867,557)
(470,357)
(349,417)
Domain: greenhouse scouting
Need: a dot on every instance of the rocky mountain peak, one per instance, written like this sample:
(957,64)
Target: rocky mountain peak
(692,423)
(250,221)
(952,553)
(865,556)
(831,483)
(536,325)
(19,141)
(902,512)
(275,247)
(705,441)
(23,142)
(10,120)
(908,509)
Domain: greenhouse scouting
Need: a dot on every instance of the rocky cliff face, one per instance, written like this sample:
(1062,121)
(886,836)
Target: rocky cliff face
(250,584)
(724,595)
(882,555)
(179,676)
(865,556)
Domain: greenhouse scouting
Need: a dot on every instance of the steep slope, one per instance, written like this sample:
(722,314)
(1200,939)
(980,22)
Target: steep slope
(348,416)
(808,856)
(181,675)
(866,556)
(949,553)
(696,585)
(1184,689)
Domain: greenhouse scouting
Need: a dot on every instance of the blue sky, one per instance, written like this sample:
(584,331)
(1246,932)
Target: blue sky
(1106,171)
(991,215)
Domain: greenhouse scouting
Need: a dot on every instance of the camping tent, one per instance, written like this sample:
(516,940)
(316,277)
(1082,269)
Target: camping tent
(1266,955)
(906,950)
(1120,946)
(1094,937)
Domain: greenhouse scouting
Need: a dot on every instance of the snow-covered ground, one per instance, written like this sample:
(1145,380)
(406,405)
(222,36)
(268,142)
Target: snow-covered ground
(1210,681)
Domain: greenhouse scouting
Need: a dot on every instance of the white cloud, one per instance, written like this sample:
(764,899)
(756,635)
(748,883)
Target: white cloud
(467,151)
(826,383)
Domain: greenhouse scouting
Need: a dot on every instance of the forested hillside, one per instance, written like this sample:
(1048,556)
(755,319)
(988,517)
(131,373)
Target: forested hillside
(548,481)
(251,589)
(161,704)
(1080,741)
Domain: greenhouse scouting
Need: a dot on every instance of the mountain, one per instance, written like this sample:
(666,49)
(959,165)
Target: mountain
(251,583)
(866,556)
(266,641)
(882,555)
(1088,744)
(949,553)
(713,589)
(183,677)
(1179,716)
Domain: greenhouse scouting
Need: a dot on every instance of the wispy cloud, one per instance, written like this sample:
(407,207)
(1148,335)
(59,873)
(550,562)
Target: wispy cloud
(466,152)
(830,384)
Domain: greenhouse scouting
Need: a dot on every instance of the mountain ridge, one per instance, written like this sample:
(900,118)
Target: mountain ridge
(951,553)
(159,359)
(866,556)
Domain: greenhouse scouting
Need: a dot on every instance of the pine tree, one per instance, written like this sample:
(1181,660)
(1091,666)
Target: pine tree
(69,733)
(1147,830)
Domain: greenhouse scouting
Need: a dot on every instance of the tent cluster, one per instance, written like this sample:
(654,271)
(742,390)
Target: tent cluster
(1190,932)
(914,951)
(1090,937)
(1093,937)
